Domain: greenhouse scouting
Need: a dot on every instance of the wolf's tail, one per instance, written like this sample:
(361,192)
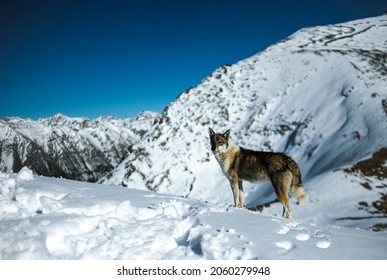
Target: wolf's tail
(300,194)
(296,189)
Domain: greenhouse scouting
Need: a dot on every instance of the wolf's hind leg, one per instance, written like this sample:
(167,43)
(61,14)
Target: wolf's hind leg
(281,182)
(284,199)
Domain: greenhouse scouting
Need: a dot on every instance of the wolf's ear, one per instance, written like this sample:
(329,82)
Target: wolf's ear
(227,134)
(211,132)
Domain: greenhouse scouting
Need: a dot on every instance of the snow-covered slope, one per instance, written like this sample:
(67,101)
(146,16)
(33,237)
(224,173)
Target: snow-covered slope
(75,148)
(47,218)
(319,96)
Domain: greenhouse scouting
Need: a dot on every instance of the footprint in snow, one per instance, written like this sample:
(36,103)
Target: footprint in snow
(323,244)
(300,236)
(283,230)
(303,236)
(287,245)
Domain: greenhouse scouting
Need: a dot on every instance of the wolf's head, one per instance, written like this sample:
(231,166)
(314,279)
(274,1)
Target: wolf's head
(219,141)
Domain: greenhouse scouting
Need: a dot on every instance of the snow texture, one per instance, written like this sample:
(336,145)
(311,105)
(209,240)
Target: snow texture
(47,218)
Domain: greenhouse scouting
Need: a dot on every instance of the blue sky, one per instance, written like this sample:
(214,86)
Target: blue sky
(93,58)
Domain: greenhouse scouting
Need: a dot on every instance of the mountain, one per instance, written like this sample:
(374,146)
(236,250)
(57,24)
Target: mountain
(73,148)
(318,96)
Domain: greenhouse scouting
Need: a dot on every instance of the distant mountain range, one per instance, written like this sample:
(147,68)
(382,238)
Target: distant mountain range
(72,148)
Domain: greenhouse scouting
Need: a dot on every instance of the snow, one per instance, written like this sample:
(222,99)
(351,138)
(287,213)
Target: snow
(49,218)
(318,96)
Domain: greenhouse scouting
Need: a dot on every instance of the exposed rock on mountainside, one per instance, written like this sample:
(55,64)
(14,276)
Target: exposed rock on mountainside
(73,148)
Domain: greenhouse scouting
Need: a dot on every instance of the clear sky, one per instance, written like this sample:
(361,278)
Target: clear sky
(93,58)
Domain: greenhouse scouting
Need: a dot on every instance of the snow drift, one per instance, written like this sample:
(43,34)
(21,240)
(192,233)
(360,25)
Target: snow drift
(47,218)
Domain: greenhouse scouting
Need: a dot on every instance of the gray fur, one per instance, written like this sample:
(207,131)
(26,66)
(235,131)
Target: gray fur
(239,164)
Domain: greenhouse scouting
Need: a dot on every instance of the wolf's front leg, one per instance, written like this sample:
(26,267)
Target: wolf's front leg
(235,192)
(241,195)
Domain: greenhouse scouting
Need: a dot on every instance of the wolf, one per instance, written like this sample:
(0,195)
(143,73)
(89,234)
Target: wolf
(239,164)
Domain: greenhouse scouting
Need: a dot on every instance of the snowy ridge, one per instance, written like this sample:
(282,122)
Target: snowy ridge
(75,148)
(319,96)
(47,218)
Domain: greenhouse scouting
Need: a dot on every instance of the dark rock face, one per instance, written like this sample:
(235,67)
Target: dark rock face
(72,148)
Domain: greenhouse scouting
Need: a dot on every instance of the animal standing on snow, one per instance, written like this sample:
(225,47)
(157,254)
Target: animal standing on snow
(240,164)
